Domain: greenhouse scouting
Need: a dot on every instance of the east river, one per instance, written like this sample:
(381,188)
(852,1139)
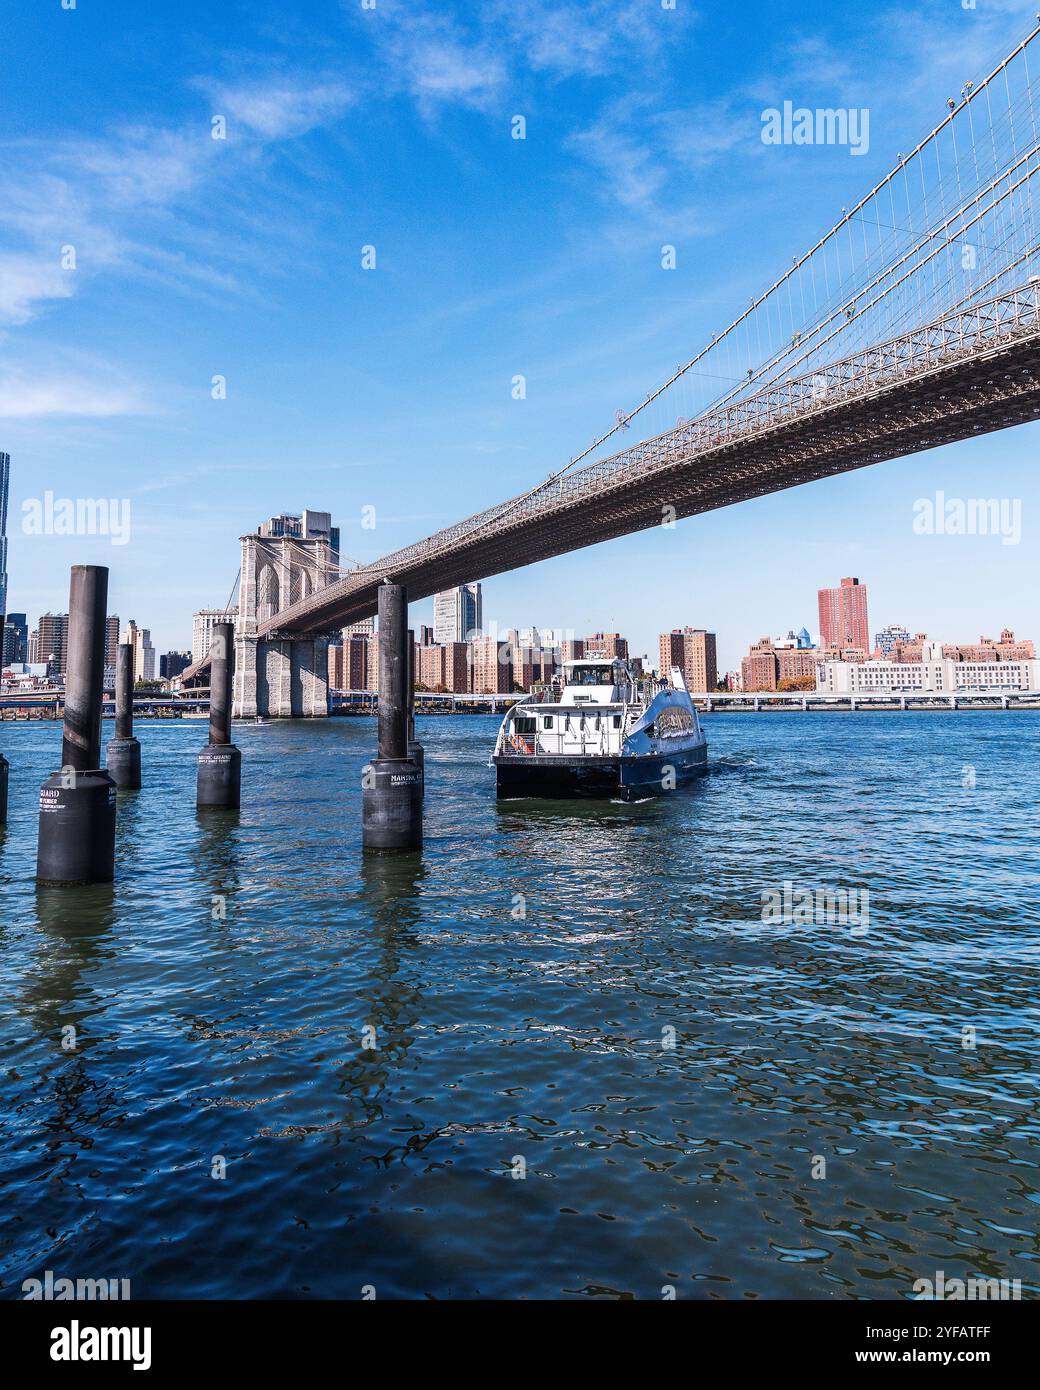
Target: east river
(561,1055)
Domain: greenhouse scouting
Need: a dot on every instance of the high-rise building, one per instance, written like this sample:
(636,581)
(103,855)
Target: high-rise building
(458,614)
(112,640)
(364,628)
(172,664)
(202,628)
(693,651)
(348,663)
(843,616)
(144,653)
(491,667)
(533,664)
(606,644)
(759,670)
(5,488)
(886,639)
(49,644)
(444,667)
(16,640)
(305,526)
(372,662)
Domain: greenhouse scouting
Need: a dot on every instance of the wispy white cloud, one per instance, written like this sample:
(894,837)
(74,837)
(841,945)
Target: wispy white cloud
(589,38)
(641,152)
(438,60)
(442,55)
(103,196)
(22,396)
(28,279)
(631,169)
(279,109)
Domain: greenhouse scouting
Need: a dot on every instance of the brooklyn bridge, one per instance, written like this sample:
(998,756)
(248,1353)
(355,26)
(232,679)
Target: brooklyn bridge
(913,322)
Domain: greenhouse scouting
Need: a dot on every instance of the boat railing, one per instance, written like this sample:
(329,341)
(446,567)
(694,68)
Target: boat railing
(559,742)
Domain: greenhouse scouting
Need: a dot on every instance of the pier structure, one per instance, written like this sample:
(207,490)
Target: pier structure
(392,784)
(123,757)
(78,803)
(415,749)
(219,781)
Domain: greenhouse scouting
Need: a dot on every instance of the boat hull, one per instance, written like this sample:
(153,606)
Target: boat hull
(631,779)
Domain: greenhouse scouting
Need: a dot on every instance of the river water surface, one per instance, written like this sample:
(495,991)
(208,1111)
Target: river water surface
(596,1071)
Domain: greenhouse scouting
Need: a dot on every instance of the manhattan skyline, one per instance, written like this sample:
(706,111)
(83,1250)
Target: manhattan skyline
(390,388)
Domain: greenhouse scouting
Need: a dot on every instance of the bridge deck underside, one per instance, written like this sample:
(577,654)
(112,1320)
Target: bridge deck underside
(971,397)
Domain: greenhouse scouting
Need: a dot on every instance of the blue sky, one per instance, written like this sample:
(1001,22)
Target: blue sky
(392,388)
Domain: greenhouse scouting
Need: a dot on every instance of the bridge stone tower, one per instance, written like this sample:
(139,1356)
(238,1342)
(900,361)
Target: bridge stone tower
(283,675)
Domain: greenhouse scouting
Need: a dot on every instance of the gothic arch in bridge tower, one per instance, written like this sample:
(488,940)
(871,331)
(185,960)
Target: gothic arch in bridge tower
(301,583)
(268,593)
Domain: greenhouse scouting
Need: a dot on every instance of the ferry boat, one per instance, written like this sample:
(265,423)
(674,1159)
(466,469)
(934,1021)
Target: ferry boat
(603,736)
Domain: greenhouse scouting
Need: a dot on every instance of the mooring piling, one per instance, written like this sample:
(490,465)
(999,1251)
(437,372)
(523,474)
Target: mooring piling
(392,790)
(416,752)
(220,762)
(78,803)
(4,769)
(124,751)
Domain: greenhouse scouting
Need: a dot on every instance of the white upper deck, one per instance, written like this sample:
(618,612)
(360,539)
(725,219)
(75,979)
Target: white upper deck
(596,680)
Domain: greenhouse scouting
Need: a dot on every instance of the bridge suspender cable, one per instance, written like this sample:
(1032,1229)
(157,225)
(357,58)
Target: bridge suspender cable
(802,260)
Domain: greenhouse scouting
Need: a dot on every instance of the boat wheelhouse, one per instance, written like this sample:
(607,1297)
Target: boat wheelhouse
(605,735)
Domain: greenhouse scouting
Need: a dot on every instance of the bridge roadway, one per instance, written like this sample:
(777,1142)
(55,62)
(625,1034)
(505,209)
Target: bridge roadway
(967,373)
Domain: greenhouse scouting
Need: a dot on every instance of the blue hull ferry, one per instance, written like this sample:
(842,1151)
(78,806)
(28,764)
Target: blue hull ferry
(604,736)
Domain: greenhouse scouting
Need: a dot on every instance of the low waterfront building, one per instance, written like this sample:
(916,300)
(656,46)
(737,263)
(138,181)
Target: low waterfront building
(785,663)
(935,674)
(990,649)
(1004,648)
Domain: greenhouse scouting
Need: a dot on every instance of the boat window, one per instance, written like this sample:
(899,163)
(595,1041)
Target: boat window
(649,731)
(589,675)
(547,722)
(524,724)
(617,721)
